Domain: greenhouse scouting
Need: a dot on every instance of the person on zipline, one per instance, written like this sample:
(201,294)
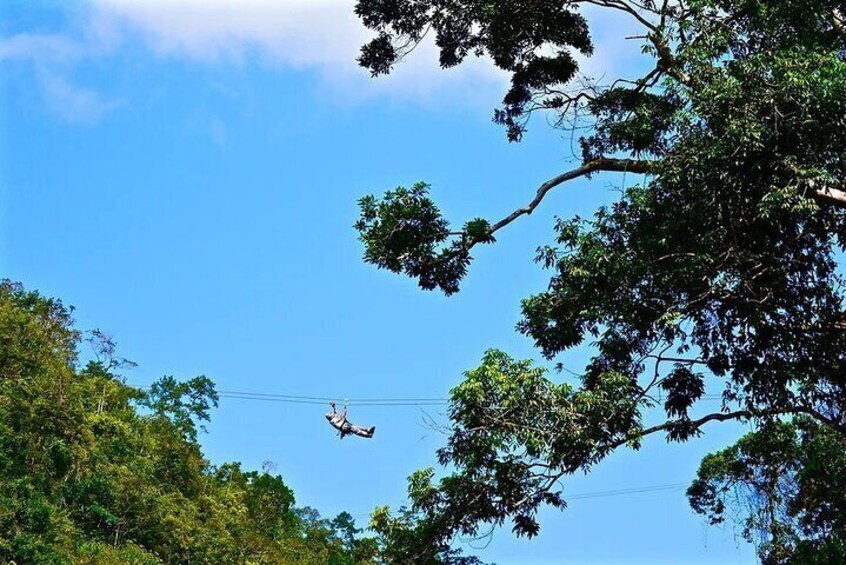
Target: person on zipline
(340,423)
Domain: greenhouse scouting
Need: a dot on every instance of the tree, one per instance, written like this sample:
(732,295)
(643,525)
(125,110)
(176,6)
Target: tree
(93,471)
(722,262)
(786,485)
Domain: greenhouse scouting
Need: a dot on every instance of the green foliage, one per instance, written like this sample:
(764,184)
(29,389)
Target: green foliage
(786,485)
(630,120)
(515,433)
(95,472)
(413,538)
(182,403)
(511,33)
(404,232)
(724,262)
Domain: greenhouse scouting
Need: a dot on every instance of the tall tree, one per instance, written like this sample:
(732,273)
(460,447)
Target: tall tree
(722,262)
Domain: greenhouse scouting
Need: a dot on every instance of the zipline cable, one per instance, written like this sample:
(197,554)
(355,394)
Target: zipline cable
(325,399)
(246,396)
(600,494)
(322,400)
(633,490)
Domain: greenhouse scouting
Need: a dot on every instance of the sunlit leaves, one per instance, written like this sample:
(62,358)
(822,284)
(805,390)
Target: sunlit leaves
(183,403)
(515,433)
(94,471)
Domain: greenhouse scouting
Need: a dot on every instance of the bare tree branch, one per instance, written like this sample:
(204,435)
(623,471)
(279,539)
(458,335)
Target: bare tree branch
(833,196)
(725,416)
(596,165)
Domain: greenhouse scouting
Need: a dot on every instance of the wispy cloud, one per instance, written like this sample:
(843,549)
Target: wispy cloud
(51,59)
(217,131)
(44,48)
(614,56)
(321,36)
(291,32)
(324,36)
(73,103)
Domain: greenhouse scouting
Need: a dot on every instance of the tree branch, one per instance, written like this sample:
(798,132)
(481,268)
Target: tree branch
(826,195)
(833,196)
(724,416)
(596,165)
(714,417)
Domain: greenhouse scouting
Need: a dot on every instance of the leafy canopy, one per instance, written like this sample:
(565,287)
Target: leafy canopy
(786,485)
(722,263)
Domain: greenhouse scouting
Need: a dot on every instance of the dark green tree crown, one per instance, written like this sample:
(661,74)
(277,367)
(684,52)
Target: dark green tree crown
(723,261)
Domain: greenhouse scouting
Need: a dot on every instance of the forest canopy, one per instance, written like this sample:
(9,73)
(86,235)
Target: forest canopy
(95,471)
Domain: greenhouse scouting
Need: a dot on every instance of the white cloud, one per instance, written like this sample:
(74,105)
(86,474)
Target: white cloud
(51,58)
(39,47)
(73,103)
(325,35)
(322,35)
(296,33)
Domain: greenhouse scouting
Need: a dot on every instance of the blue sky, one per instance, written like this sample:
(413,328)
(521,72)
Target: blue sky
(186,174)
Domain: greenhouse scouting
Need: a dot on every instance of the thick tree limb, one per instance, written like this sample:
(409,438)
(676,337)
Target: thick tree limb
(825,195)
(725,416)
(833,196)
(596,165)
(554,477)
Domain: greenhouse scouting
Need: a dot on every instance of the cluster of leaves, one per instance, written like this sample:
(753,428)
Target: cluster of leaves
(723,262)
(632,121)
(94,471)
(786,484)
(757,291)
(515,434)
(404,232)
(510,33)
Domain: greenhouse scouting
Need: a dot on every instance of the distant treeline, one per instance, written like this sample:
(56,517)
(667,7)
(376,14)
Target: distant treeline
(94,471)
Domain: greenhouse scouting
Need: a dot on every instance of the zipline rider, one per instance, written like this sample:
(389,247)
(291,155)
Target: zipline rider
(340,423)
